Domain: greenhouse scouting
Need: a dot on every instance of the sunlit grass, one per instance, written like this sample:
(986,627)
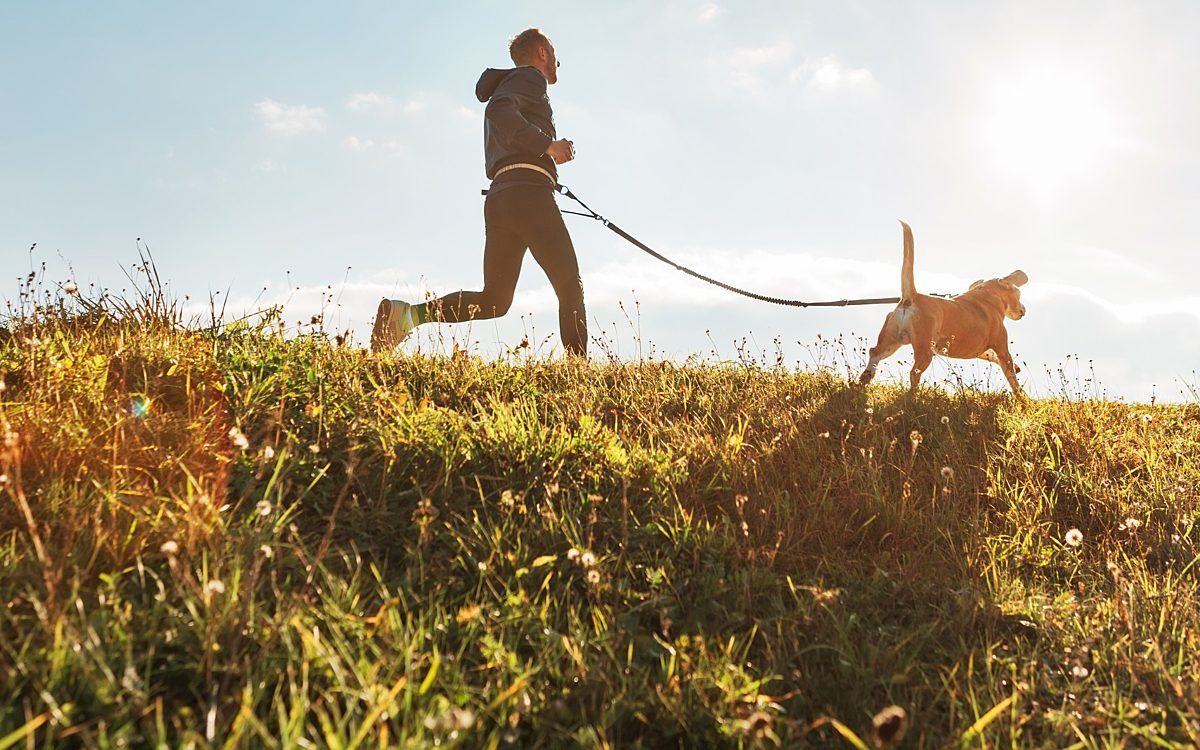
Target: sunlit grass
(221,536)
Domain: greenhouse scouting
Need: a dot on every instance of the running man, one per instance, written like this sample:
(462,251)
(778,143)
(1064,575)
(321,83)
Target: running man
(521,152)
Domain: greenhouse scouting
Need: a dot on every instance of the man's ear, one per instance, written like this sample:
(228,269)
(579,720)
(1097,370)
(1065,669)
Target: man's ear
(1017,278)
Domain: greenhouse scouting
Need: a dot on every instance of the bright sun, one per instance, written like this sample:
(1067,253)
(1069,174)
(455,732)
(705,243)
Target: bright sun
(1045,126)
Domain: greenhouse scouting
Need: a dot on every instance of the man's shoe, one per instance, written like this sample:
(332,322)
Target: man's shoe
(393,323)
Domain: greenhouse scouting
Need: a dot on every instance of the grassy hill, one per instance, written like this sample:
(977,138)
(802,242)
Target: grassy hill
(229,538)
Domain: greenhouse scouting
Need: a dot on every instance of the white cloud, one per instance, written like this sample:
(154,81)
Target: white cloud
(748,66)
(354,143)
(367,100)
(756,68)
(389,148)
(416,104)
(288,119)
(708,12)
(828,74)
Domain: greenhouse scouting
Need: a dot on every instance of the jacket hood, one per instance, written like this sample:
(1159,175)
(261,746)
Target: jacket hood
(488,82)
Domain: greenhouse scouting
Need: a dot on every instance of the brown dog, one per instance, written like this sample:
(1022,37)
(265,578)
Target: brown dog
(968,326)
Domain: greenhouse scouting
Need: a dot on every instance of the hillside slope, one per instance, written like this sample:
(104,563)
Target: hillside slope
(232,538)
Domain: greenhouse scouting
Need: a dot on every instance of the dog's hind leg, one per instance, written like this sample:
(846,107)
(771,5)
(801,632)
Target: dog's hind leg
(885,348)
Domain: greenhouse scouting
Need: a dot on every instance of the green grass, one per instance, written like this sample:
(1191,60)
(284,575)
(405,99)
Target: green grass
(223,537)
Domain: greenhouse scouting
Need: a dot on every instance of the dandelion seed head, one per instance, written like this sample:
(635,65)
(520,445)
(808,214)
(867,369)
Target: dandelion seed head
(889,726)
(947,473)
(238,438)
(593,577)
(1074,538)
(945,419)
(71,289)
(1131,524)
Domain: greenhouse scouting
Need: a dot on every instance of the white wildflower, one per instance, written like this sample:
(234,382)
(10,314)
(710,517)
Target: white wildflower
(1079,671)
(947,473)
(593,577)
(1074,538)
(572,554)
(71,289)
(1131,524)
(215,586)
(268,453)
(266,551)
(263,508)
(587,559)
(170,548)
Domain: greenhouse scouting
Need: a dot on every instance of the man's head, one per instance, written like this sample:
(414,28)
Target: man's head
(532,47)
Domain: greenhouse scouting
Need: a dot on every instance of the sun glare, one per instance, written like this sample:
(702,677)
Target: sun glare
(1046,126)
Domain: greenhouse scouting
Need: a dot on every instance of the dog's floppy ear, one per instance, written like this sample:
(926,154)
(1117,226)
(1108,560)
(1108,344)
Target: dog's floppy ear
(1017,278)
(977,284)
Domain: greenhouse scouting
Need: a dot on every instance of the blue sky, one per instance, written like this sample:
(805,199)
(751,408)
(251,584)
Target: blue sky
(289,152)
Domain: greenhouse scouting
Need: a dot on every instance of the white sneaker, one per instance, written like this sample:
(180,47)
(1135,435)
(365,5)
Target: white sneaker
(393,323)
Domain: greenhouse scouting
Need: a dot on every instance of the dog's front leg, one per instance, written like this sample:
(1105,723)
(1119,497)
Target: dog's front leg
(1002,357)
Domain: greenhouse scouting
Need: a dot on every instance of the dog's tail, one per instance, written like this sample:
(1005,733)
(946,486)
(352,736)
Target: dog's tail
(908,290)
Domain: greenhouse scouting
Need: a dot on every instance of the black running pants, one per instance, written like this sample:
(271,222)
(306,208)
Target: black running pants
(518,218)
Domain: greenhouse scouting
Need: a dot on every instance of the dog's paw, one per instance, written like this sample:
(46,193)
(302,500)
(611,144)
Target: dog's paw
(866,377)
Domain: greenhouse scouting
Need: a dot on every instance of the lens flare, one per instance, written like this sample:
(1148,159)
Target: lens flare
(140,406)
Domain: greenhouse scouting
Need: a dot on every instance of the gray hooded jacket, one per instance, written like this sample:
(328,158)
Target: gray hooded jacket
(518,122)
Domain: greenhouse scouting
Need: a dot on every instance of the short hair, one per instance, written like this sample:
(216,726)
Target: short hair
(523,46)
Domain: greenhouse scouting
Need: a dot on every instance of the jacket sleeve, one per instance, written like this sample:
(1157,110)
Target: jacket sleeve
(503,114)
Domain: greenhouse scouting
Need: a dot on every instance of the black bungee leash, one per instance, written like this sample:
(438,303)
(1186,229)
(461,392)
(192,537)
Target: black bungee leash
(564,190)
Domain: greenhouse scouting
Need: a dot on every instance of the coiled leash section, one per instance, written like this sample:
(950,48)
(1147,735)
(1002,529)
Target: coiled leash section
(564,190)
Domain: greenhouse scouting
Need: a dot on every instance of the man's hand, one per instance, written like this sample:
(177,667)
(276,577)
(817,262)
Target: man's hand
(561,151)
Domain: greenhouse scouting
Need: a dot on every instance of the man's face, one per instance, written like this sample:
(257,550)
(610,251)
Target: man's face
(550,63)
